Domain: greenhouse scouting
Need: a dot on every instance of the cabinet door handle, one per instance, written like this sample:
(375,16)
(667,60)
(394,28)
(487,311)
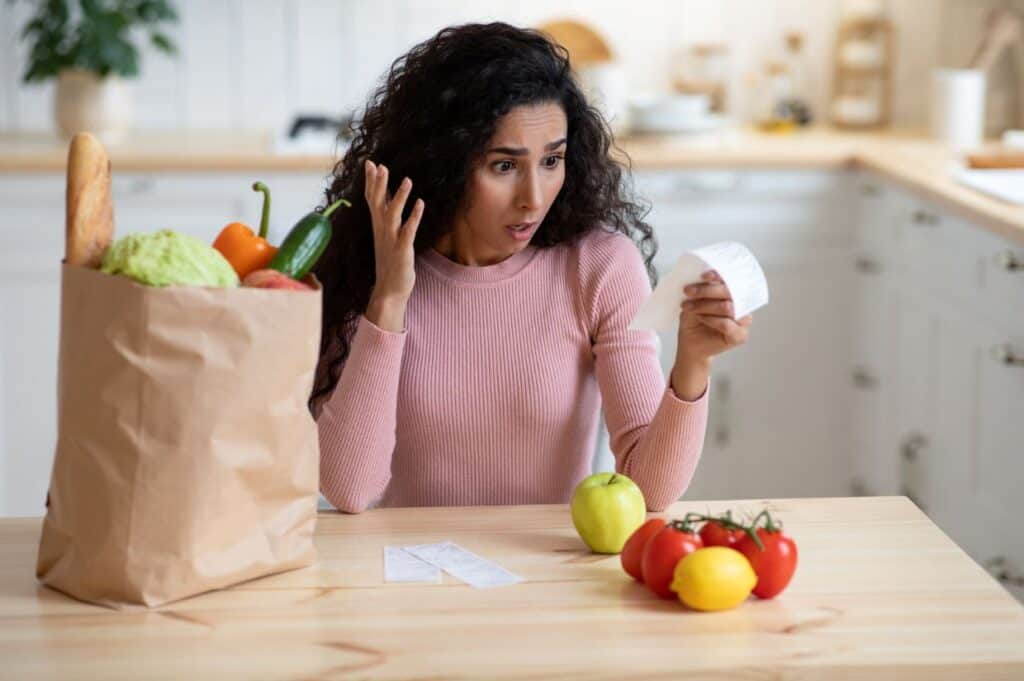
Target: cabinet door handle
(912,446)
(862,378)
(1008,261)
(858,488)
(1004,354)
(870,190)
(910,453)
(923,217)
(867,265)
(1004,573)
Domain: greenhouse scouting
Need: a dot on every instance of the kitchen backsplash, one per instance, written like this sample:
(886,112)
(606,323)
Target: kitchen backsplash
(252,64)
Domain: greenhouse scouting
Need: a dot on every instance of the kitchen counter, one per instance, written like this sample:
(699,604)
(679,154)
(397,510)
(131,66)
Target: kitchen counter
(909,159)
(880,593)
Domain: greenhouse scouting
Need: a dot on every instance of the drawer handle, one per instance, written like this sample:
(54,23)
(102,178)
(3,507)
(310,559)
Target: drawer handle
(1000,568)
(923,217)
(862,378)
(858,488)
(912,446)
(1004,355)
(867,265)
(1008,261)
(910,452)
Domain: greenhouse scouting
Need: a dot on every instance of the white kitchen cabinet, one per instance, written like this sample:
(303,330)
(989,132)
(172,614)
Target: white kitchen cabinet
(32,229)
(953,432)
(977,471)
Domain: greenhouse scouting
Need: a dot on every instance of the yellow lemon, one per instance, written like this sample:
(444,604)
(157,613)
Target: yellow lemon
(713,578)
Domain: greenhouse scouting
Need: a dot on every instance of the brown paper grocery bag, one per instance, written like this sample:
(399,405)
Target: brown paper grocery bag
(186,457)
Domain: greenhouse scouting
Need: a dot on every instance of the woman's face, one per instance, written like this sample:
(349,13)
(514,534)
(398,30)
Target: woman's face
(516,182)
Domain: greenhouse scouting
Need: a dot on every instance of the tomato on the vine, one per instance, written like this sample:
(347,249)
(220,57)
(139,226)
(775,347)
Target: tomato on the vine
(775,564)
(663,552)
(633,550)
(714,533)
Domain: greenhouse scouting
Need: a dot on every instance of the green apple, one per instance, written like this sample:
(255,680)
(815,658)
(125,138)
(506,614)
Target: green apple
(606,509)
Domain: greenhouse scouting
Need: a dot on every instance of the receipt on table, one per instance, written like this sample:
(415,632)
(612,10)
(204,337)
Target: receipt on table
(402,566)
(736,265)
(464,565)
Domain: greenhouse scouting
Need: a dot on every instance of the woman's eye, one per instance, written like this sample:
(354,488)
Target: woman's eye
(549,162)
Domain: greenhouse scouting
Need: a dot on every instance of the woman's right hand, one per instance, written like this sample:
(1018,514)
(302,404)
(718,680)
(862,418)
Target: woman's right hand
(392,241)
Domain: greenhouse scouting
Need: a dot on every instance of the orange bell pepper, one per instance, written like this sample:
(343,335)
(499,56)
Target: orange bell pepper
(245,250)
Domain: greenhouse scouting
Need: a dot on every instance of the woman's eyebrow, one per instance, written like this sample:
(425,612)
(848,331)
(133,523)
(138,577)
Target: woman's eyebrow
(523,152)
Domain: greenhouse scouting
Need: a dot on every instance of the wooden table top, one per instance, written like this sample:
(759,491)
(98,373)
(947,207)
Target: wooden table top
(880,593)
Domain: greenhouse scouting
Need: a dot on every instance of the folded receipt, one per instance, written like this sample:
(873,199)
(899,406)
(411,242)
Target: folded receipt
(424,563)
(735,264)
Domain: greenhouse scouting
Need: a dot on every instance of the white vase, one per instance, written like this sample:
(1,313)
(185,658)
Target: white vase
(87,102)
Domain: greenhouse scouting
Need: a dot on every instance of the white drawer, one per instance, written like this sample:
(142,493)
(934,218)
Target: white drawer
(1001,265)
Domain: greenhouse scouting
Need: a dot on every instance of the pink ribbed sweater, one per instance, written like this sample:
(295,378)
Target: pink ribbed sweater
(491,394)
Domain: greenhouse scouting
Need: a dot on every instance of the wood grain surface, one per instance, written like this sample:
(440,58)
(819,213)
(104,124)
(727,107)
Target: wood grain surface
(880,593)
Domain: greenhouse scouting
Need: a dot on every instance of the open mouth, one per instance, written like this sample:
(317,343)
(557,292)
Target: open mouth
(522,227)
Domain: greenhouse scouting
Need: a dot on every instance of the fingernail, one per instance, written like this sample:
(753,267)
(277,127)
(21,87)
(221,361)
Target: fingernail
(690,289)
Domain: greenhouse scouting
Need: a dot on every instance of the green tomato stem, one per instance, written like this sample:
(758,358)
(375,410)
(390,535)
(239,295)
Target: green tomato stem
(330,208)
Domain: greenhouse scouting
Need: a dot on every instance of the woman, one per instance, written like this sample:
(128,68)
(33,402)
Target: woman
(471,337)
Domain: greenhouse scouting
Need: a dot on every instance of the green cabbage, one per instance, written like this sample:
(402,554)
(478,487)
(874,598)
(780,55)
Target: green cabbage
(168,258)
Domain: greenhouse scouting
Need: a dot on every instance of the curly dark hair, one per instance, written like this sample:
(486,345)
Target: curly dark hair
(431,119)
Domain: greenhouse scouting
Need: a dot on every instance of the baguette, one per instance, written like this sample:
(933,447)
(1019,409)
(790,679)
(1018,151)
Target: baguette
(90,209)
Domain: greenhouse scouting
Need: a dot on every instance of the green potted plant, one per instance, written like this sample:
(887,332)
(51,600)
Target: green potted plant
(89,46)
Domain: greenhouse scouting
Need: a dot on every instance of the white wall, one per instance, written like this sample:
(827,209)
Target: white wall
(254,63)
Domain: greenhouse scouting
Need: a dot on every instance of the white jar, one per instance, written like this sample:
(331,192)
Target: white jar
(958,107)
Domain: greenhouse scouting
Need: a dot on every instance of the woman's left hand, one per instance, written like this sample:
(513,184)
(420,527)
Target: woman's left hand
(706,324)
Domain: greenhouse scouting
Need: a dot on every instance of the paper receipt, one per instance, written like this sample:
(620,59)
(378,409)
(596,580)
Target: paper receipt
(736,265)
(402,566)
(423,563)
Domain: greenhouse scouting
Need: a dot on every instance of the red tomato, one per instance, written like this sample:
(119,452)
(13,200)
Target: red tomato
(633,550)
(716,534)
(661,554)
(775,565)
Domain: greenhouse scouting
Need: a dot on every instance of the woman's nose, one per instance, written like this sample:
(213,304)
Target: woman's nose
(530,195)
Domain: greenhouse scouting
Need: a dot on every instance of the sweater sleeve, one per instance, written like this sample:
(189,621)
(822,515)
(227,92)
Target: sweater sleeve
(656,437)
(357,423)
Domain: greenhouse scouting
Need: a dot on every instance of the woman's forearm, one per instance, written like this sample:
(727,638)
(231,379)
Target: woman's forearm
(690,377)
(387,313)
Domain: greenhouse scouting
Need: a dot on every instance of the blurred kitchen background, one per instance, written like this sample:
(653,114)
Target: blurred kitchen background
(877,178)
(256,64)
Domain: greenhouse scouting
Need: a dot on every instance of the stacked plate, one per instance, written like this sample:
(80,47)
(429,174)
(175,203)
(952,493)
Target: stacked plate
(673,113)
